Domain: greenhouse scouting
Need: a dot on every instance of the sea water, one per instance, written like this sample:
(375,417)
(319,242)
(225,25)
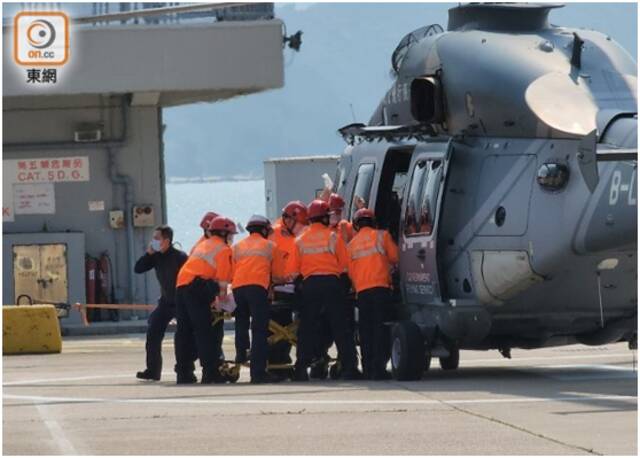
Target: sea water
(188,202)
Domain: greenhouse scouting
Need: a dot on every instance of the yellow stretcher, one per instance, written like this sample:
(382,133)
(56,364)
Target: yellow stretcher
(278,333)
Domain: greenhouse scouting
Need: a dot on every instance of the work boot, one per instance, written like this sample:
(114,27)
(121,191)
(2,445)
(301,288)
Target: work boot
(300,374)
(148,375)
(267,377)
(210,376)
(353,374)
(186,378)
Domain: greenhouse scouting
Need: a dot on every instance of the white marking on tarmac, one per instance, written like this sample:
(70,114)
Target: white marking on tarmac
(231,401)
(467,364)
(57,433)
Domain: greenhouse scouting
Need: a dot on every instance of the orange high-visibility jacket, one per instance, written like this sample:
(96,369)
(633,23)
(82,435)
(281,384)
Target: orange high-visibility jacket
(286,243)
(255,261)
(345,229)
(371,254)
(211,260)
(201,239)
(319,251)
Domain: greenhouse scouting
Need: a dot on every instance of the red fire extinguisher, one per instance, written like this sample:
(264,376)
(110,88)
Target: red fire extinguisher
(105,285)
(103,280)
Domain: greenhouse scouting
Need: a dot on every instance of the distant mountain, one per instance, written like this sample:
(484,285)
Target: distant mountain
(344,60)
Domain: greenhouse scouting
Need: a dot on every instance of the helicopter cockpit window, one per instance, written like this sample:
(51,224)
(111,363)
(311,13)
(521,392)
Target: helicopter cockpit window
(412,213)
(362,188)
(429,198)
(409,40)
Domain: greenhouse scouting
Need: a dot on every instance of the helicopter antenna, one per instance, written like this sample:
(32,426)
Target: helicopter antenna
(353,113)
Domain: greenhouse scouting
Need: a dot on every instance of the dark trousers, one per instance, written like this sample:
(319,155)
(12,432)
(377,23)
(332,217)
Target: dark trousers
(280,352)
(324,292)
(252,306)
(375,341)
(195,337)
(157,326)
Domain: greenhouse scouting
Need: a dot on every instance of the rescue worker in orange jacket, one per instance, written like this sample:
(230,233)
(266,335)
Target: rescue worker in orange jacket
(201,279)
(256,261)
(336,222)
(293,222)
(372,254)
(320,256)
(289,226)
(204,224)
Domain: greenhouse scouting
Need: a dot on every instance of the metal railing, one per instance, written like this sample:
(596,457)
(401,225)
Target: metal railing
(105,14)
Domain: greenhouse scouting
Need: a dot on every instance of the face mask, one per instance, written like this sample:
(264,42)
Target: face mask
(334,220)
(156,245)
(230,239)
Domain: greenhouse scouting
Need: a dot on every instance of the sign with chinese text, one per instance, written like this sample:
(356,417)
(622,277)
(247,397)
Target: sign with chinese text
(46,170)
(34,199)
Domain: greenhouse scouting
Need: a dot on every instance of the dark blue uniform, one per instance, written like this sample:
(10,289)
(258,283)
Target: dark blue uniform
(166,266)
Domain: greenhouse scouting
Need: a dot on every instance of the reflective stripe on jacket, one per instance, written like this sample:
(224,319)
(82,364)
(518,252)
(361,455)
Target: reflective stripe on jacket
(319,251)
(210,260)
(255,261)
(201,239)
(371,254)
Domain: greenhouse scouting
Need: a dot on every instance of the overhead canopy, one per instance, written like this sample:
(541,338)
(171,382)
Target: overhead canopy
(164,65)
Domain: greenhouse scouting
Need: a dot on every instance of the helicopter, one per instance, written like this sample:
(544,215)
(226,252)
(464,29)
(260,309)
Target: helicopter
(503,161)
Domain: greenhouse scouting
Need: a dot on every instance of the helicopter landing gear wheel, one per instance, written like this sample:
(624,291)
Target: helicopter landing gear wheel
(451,362)
(408,353)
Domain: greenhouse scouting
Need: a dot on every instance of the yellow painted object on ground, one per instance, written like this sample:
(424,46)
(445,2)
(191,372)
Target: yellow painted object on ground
(30,329)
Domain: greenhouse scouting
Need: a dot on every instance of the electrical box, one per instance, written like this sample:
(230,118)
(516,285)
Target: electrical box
(143,216)
(116,219)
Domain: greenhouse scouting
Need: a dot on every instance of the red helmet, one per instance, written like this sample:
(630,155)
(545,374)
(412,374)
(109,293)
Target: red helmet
(206,220)
(336,203)
(363,213)
(220,223)
(259,221)
(297,210)
(318,209)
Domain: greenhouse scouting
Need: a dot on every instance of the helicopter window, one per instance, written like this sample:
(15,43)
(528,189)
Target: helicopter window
(411,223)
(429,197)
(362,188)
(409,40)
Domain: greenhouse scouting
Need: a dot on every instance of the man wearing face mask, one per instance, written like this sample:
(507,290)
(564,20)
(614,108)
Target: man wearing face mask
(166,261)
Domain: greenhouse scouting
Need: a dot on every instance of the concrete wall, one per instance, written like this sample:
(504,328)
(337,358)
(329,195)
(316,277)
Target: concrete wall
(48,120)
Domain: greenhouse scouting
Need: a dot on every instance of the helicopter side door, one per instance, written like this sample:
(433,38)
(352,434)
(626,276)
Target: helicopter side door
(419,225)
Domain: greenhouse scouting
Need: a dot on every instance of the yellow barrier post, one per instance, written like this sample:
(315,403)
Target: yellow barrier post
(30,329)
